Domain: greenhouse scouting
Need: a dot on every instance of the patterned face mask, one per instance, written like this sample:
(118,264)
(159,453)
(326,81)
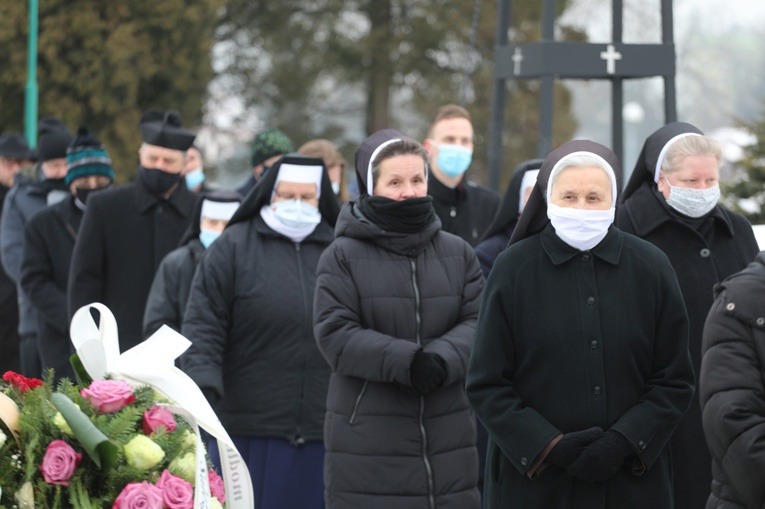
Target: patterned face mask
(692,202)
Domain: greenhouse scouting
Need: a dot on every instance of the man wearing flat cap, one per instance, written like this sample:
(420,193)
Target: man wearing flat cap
(126,231)
(34,188)
(14,154)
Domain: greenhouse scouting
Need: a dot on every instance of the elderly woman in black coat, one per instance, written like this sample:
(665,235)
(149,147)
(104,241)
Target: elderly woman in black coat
(249,317)
(580,369)
(395,310)
(732,389)
(671,201)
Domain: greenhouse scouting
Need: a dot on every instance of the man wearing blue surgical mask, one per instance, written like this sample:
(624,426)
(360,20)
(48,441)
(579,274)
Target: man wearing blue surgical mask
(464,207)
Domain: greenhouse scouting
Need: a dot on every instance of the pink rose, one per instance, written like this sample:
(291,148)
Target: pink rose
(158,416)
(177,493)
(139,496)
(59,463)
(217,488)
(109,396)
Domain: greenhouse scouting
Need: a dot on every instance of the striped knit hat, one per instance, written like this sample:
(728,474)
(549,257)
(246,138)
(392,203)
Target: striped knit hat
(87,156)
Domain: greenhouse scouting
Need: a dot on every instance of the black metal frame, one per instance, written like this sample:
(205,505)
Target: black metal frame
(548,60)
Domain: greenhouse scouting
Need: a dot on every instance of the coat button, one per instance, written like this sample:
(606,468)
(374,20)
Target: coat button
(641,444)
(730,307)
(705,253)
(594,344)
(453,212)
(596,390)
(760,321)
(524,461)
(585,257)
(590,300)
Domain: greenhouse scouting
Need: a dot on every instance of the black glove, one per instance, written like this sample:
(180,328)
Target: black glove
(601,459)
(427,372)
(568,448)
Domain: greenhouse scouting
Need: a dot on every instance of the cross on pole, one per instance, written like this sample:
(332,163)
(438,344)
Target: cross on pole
(549,60)
(517,59)
(610,56)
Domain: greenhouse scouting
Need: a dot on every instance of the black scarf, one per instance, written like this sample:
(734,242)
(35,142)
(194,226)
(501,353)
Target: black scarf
(405,216)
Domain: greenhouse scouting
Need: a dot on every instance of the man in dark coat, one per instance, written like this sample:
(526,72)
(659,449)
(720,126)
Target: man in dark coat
(732,389)
(32,191)
(464,208)
(126,232)
(580,370)
(49,239)
(14,154)
(704,249)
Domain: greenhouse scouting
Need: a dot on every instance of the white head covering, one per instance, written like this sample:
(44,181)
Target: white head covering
(528,181)
(300,174)
(219,209)
(370,181)
(663,153)
(564,162)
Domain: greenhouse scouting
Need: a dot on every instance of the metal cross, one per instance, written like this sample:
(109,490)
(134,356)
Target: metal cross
(610,56)
(517,59)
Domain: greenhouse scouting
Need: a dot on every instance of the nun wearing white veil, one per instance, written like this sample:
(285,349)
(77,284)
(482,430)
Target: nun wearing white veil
(580,369)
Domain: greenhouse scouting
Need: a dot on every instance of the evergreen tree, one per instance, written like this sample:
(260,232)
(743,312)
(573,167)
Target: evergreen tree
(745,193)
(103,63)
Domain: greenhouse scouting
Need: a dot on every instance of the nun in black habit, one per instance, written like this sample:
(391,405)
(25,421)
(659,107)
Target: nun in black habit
(498,233)
(250,320)
(705,243)
(580,369)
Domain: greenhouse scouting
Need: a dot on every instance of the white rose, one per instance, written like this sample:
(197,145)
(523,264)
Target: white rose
(25,496)
(3,438)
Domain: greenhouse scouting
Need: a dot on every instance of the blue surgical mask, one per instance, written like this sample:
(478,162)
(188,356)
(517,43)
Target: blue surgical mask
(296,213)
(194,178)
(453,160)
(207,237)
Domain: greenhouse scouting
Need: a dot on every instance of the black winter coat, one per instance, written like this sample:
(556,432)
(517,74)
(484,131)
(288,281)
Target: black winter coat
(732,389)
(700,261)
(380,298)
(9,314)
(465,211)
(567,340)
(169,292)
(125,234)
(49,239)
(249,316)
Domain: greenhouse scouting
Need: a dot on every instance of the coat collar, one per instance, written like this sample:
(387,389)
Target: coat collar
(182,200)
(648,212)
(445,194)
(609,249)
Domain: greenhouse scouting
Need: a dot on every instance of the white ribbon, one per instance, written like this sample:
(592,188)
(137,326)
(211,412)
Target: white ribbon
(152,362)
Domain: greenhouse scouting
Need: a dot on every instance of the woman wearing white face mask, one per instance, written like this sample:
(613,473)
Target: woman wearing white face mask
(580,369)
(671,201)
(250,319)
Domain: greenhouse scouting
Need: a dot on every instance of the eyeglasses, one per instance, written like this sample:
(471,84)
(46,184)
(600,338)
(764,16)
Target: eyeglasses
(308,198)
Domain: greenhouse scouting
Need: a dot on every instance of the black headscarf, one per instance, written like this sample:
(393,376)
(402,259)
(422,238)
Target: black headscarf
(534,216)
(261,194)
(507,215)
(194,229)
(367,149)
(645,167)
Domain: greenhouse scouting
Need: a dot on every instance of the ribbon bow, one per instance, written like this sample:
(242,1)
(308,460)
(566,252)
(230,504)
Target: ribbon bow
(152,362)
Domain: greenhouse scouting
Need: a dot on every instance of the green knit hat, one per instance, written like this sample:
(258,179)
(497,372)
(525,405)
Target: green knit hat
(86,156)
(269,143)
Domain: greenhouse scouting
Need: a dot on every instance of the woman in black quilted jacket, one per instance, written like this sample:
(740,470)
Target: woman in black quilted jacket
(394,315)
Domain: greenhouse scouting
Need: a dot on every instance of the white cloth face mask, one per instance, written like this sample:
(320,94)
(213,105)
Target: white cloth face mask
(693,202)
(581,229)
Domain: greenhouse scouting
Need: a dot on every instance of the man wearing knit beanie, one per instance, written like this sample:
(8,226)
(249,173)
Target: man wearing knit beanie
(34,188)
(267,148)
(48,244)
